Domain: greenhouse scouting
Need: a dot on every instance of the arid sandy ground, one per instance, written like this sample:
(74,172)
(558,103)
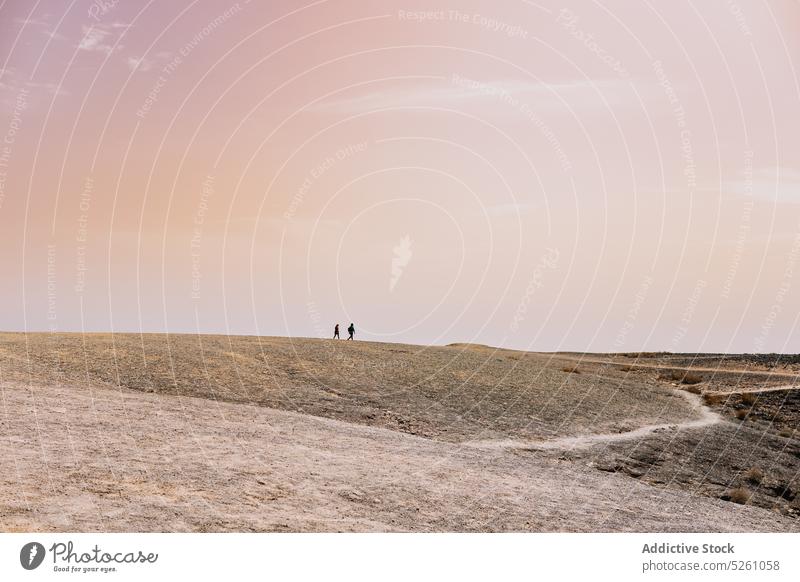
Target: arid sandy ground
(187,433)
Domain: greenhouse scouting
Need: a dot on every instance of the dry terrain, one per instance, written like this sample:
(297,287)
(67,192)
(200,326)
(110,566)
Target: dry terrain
(215,433)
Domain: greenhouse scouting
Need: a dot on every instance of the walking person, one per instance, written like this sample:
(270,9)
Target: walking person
(336,332)
(351,330)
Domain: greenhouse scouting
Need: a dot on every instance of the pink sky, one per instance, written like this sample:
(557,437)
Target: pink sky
(602,176)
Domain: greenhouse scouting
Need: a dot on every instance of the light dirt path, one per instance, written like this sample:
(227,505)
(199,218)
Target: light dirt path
(751,390)
(706,418)
(717,370)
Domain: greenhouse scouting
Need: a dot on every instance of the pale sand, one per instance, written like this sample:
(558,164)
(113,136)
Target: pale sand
(75,459)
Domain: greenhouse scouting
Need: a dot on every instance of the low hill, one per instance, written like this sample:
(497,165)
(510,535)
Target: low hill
(132,432)
(451,393)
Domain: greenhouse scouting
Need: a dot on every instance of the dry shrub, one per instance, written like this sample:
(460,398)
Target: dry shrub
(627,368)
(749,398)
(643,355)
(571,370)
(691,378)
(741,414)
(786,432)
(682,377)
(711,399)
(740,495)
(754,475)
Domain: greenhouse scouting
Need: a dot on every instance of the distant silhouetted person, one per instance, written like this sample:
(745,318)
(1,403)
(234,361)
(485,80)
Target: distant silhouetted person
(336,332)
(351,330)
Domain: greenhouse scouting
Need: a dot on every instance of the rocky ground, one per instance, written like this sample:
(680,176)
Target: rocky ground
(187,433)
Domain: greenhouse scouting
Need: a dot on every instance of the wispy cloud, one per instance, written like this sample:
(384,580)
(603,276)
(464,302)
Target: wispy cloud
(102,37)
(31,21)
(6,78)
(139,64)
(93,39)
(511,209)
(781,184)
(42,25)
(459,91)
(54,35)
(12,83)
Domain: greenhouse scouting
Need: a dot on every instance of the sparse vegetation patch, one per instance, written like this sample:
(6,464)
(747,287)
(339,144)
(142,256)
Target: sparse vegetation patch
(754,475)
(740,495)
